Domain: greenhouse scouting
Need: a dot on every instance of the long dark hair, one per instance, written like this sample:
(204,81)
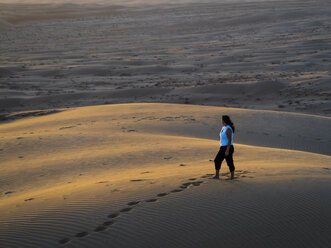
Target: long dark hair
(228,121)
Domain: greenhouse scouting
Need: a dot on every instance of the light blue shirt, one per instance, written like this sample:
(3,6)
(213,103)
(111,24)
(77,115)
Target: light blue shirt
(223,138)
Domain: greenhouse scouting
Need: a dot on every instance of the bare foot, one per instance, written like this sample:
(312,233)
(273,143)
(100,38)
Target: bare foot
(216,177)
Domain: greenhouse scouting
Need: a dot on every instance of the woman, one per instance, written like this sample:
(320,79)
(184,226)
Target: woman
(226,150)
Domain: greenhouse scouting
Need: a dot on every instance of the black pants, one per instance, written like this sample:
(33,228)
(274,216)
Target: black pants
(220,157)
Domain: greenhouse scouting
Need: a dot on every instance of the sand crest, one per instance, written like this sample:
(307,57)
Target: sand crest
(113,175)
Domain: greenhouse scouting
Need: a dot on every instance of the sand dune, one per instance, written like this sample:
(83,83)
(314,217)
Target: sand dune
(132,175)
(136,172)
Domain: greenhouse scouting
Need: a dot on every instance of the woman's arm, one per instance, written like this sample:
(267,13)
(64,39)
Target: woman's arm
(229,136)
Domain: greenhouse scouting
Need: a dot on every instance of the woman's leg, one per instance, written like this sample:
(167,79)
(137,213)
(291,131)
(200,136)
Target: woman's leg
(229,161)
(218,162)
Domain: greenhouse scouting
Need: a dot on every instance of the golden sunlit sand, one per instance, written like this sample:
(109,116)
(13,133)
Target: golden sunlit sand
(138,175)
(110,118)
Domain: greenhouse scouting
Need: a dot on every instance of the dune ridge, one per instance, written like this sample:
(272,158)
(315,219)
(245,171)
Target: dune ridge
(121,175)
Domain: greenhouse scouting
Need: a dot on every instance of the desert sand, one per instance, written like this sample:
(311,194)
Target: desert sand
(272,55)
(138,175)
(110,116)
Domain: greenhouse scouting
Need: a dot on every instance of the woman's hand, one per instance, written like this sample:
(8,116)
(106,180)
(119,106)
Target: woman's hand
(226,153)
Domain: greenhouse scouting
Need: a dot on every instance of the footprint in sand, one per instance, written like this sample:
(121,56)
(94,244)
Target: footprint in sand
(182,165)
(225,174)
(137,180)
(113,215)
(245,172)
(108,223)
(133,203)
(197,183)
(9,192)
(207,175)
(100,228)
(151,200)
(29,199)
(81,234)
(64,241)
(162,194)
(325,168)
(103,182)
(192,179)
(176,190)
(125,209)
(61,128)
(186,184)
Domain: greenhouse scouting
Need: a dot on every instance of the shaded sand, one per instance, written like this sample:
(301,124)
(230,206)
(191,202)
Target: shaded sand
(112,176)
(271,55)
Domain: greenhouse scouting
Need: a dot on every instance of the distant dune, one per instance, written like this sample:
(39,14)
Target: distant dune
(85,176)
(257,55)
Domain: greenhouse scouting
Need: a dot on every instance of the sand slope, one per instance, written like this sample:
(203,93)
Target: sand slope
(252,54)
(69,174)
